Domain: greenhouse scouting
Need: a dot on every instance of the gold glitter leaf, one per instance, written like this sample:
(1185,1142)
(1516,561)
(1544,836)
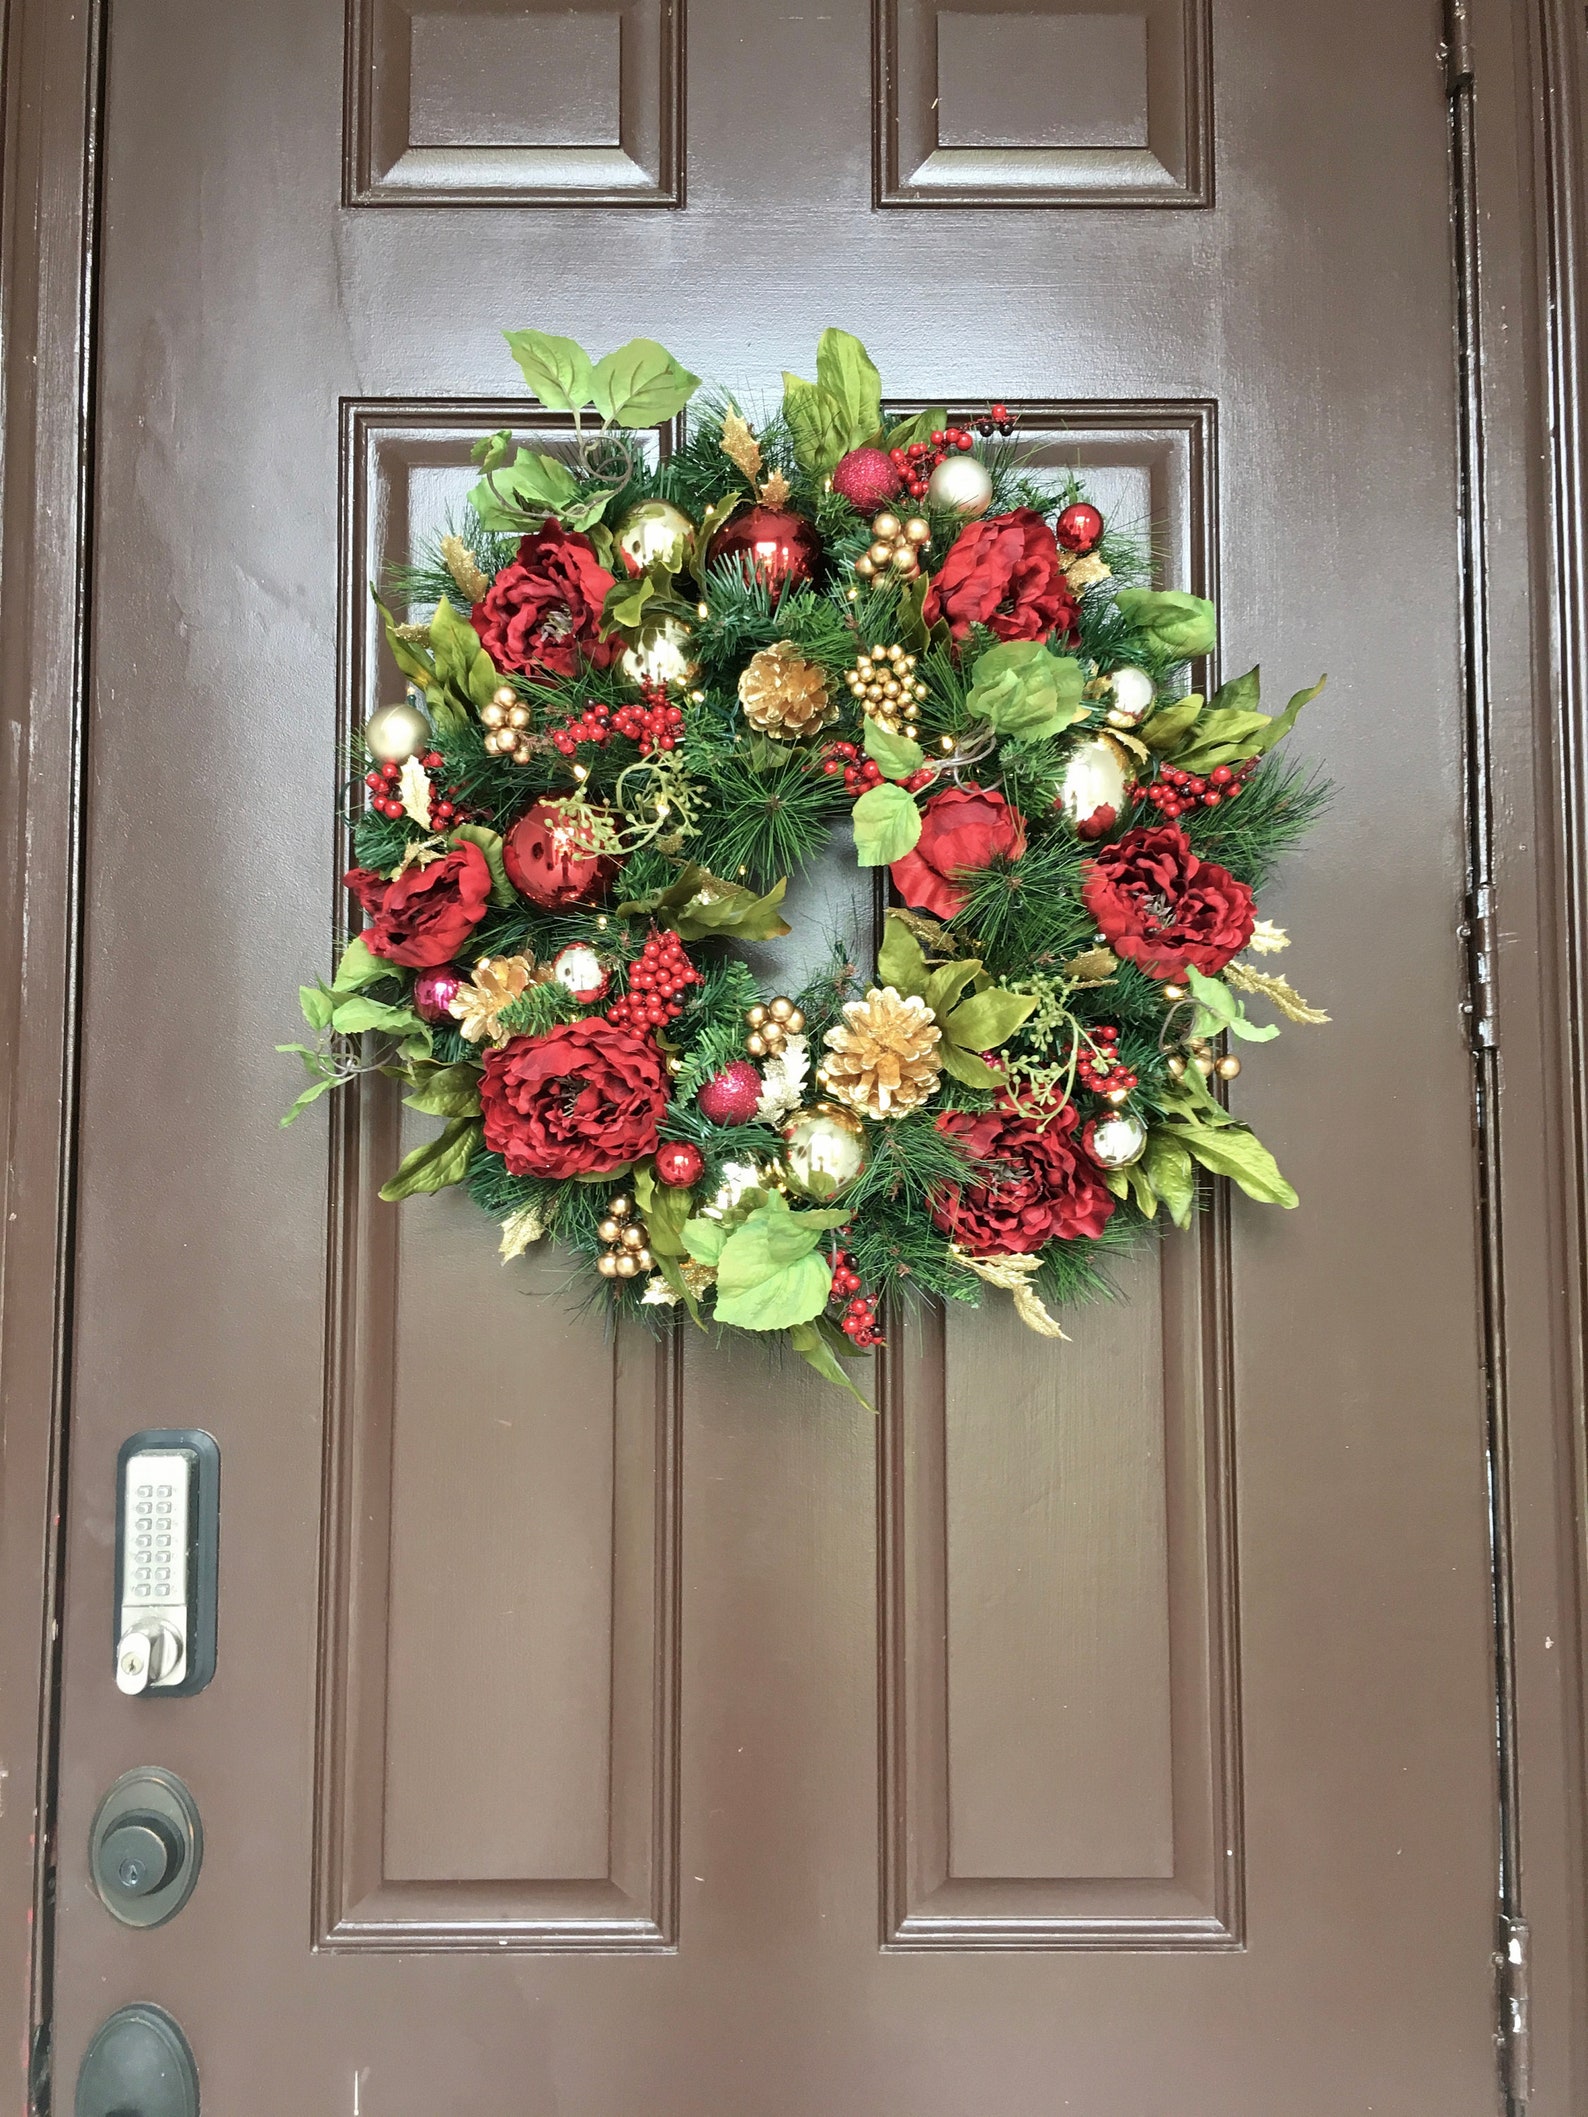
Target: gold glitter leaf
(1279,992)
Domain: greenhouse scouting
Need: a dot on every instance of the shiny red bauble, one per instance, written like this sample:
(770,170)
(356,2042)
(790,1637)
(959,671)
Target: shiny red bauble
(433,991)
(867,478)
(730,1097)
(1079,527)
(770,544)
(679,1163)
(547,860)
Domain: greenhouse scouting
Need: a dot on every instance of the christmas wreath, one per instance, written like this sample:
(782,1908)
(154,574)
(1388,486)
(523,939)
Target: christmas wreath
(643,691)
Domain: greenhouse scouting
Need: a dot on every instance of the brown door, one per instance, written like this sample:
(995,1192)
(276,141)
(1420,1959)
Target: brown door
(1106,1728)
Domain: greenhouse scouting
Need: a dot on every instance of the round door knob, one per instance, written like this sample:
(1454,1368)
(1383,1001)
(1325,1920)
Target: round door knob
(145,1847)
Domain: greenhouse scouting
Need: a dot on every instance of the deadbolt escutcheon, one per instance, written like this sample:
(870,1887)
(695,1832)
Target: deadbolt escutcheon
(145,1847)
(139,2064)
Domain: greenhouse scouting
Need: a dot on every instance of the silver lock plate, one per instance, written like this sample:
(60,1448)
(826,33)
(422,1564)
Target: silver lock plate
(156,1530)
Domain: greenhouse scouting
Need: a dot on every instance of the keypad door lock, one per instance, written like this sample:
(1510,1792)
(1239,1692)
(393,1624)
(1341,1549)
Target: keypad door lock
(167,1548)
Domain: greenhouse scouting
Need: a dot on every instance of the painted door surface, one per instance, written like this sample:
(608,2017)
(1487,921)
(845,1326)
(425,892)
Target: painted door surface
(1105,1728)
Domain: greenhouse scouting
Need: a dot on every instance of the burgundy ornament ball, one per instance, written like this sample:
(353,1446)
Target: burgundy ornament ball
(679,1163)
(547,862)
(433,991)
(1079,528)
(770,544)
(867,479)
(731,1096)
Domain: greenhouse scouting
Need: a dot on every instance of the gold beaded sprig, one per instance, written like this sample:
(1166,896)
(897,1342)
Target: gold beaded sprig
(895,547)
(886,688)
(626,1251)
(506,719)
(771,1025)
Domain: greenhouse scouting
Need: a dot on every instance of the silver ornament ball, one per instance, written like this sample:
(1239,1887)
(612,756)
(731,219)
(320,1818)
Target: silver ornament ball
(1096,773)
(1117,1140)
(962,485)
(1132,697)
(654,532)
(393,734)
(824,1150)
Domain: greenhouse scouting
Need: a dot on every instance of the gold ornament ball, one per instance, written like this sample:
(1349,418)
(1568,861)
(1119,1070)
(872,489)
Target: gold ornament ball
(393,734)
(518,716)
(880,554)
(493,714)
(620,1207)
(1096,773)
(1115,1141)
(905,560)
(917,532)
(625,1264)
(824,1150)
(661,655)
(795,1022)
(755,1044)
(642,1259)
(1228,1067)
(1132,697)
(885,525)
(1176,1066)
(654,532)
(865,567)
(780,1009)
(960,485)
(610,1230)
(1203,1064)
(607,1265)
(633,1237)
(755,1015)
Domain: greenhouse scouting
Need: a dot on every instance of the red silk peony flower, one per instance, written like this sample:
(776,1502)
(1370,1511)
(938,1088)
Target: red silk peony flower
(1041,1188)
(1004,572)
(425,916)
(1160,907)
(542,614)
(963,827)
(582,1098)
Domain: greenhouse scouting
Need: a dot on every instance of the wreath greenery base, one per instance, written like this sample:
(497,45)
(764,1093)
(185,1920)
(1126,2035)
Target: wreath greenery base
(643,692)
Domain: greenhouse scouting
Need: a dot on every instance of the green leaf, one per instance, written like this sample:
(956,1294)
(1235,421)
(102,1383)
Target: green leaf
(503,893)
(988,1019)
(534,486)
(316,1004)
(816,425)
(491,450)
(909,620)
(463,667)
(704,1240)
(1242,694)
(311,1094)
(641,384)
(1282,723)
(1218,1011)
(887,825)
(808,1342)
(900,960)
(585,512)
(793,1293)
(359,967)
(731,909)
(896,756)
(1024,690)
(440,1161)
(944,986)
(920,426)
(625,603)
(665,1208)
(967,1068)
(715,517)
(844,369)
(1140,1188)
(353,1016)
(447,1091)
(557,370)
(1234,1152)
(414,663)
(1180,625)
(1167,1167)
(1164,730)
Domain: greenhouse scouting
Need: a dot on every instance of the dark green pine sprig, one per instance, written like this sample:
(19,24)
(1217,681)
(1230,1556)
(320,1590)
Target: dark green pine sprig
(1075,1272)
(1250,836)
(764,825)
(1026,914)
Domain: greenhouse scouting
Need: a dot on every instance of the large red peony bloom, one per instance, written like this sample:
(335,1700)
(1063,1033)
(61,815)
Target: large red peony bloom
(961,828)
(584,1097)
(542,614)
(1040,1188)
(425,916)
(1160,907)
(1004,573)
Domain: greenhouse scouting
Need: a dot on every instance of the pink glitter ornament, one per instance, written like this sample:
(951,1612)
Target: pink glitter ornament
(730,1097)
(433,990)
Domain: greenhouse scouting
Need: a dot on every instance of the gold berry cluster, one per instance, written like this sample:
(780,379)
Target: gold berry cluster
(885,686)
(625,1252)
(506,719)
(770,1025)
(1203,1056)
(895,547)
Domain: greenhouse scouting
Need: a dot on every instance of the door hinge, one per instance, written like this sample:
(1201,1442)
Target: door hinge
(1458,47)
(1515,2039)
(1478,931)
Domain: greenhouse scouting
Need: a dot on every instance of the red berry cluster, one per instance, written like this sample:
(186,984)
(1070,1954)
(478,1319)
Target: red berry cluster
(997,419)
(656,725)
(859,1319)
(591,726)
(860,773)
(1100,1070)
(657,977)
(1174,792)
(382,784)
(916,463)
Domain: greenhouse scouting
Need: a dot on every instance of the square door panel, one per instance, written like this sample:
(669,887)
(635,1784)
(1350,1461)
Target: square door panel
(1074,102)
(513,102)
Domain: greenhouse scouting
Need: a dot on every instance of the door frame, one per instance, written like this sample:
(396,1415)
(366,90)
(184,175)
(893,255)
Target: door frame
(1518,77)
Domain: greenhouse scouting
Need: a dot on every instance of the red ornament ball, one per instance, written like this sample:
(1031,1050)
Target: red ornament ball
(548,862)
(433,991)
(679,1163)
(867,479)
(770,544)
(1079,527)
(730,1097)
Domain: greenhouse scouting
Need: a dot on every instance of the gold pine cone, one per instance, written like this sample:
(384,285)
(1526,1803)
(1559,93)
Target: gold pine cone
(882,1057)
(785,696)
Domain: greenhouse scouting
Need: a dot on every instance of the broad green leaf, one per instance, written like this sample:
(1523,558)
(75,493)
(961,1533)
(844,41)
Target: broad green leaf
(1282,723)
(593,1176)
(414,663)
(896,756)
(816,425)
(1180,625)
(910,627)
(1234,1152)
(988,1019)
(440,1161)
(556,369)
(532,487)
(1192,1099)
(641,384)
(489,842)
(945,986)
(1024,690)
(704,1240)
(900,961)
(462,664)
(1243,694)
(1170,727)
(355,1015)
(1115,1180)
(730,909)
(920,426)
(1166,1166)
(845,370)
(887,825)
(793,1293)
(715,518)
(316,1004)
(808,1342)
(1218,1010)
(587,510)
(1140,1188)
(666,1209)
(447,1091)
(671,1272)
(490,452)
(359,967)
(311,1094)
(625,603)
(967,1068)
